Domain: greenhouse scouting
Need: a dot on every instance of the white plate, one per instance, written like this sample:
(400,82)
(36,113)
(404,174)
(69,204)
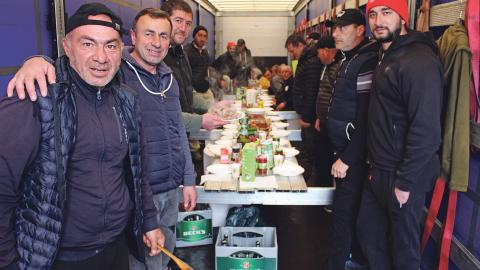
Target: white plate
(275,118)
(290,152)
(267,104)
(230,126)
(288,170)
(240,115)
(230,132)
(273,113)
(255,111)
(227,143)
(280,125)
(268,109)
(215,148)
(280,133)
(220,169)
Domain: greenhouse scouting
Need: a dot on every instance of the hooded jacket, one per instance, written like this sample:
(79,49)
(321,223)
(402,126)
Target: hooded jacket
(404,130)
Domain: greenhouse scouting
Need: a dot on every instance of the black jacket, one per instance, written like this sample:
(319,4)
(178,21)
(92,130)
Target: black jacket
(327,80)
(285,94)
(199,63)
(404,131)
(177,60)
(305,88)
(226,65)
(74,181)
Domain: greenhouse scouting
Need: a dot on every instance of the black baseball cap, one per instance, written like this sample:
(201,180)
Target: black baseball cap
(80,18)
(325,42)
(240,42)
(314,35)
(347,17)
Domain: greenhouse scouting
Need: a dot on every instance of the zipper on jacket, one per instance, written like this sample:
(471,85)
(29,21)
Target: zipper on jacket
(124,125)
(118,124)
(99,95)
(101,171)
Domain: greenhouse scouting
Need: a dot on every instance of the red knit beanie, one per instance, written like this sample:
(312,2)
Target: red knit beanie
(399,6)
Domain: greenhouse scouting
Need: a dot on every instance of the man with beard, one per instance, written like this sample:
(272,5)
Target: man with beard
(404,135)
(225,63)
(69,162)
(346,128)
(166,158)
(181,16)
(197,54)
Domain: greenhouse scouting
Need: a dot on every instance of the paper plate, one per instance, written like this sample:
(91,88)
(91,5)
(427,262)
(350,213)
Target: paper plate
(275,118)
(280,125)
(273,113)
(230,132)
(268,109)
(255,110)
(290,152)
(288,170)
(220,169)
(239,115)
(230,126)
(280,133)
(226,143)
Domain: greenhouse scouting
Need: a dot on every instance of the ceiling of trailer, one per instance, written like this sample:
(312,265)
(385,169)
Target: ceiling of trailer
(253,5)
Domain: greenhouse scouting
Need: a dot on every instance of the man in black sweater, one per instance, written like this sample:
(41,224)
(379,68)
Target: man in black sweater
(404,135)
(346,126)
(197,54)
(69,170)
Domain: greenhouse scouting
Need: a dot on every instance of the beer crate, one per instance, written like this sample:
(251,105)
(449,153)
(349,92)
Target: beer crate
(246,248)
(194,228)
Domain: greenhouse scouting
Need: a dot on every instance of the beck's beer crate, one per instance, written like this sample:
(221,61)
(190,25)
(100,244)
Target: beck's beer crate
(194,228)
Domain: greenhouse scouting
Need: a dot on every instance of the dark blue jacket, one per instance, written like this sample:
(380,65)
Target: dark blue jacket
(50,182)
(167,162)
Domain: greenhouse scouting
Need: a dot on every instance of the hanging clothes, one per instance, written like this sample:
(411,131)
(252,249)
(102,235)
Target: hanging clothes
(456,59)
(423,21)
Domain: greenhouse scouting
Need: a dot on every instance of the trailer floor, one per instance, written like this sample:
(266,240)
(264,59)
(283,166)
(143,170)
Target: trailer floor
(303,237)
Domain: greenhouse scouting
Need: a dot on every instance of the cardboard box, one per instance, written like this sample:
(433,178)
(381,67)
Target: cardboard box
(194,228)
(240,250)
(249,163)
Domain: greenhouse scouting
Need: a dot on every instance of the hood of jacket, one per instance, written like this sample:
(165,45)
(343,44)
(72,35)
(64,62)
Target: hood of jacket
(413,37)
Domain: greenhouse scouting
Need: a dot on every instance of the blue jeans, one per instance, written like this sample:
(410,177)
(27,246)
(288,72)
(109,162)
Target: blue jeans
(167,214)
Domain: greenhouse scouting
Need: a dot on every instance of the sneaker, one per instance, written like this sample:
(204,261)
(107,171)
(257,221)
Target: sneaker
(351,265)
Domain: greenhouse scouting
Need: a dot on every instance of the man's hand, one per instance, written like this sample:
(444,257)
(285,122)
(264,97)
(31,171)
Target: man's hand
(304,124)
(33,70)
(189,198)
(339,169)
(281,106)
(210,121)
(152,239)
(402,196)
(317,125)
(224,103)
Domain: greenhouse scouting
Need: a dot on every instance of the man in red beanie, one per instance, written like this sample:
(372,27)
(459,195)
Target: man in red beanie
(404,135)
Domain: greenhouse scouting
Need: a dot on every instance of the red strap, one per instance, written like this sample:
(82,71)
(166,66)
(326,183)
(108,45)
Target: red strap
(432,213)
(472,22)
(448,231)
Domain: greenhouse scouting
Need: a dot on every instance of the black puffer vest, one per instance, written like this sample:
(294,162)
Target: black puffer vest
(343,105)
(39,216)
(177,60)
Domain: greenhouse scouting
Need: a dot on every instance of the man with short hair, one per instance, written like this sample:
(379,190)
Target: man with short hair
(284,97)
(346,127)
(70,171)
(181,16)
(304,94)
(166,158)
(404,136)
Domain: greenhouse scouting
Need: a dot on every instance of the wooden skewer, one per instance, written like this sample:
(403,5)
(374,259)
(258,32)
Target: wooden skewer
(180,263)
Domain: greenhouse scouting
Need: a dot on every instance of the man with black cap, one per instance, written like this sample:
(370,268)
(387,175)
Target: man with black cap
(197,54)
(404,136)
(244,55)
(70,169)
(331,59)
(346,127)
(312,38)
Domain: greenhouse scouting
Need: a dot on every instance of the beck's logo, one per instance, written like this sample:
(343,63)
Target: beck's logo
(246,265)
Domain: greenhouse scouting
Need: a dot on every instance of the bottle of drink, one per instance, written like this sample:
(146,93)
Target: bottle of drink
(224,155)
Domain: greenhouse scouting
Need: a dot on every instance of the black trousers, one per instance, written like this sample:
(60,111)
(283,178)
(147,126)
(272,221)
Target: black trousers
(319,156)
(389,235)
(113,257)
(346,204)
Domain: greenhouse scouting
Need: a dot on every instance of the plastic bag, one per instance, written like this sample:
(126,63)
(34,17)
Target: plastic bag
(246,216)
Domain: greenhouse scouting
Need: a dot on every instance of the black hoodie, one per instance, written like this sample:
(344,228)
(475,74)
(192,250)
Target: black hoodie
(404,130)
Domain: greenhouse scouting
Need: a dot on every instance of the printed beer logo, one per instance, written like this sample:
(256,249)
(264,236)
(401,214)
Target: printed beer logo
(194,227)
(246,265)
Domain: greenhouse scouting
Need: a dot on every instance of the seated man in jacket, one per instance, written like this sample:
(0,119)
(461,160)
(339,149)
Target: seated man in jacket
(284,96)
(71,195)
